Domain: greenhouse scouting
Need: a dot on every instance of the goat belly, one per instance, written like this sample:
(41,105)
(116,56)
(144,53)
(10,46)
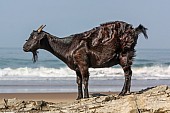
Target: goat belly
(97,61)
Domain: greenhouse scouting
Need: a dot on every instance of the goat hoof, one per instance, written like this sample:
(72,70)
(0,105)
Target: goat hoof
(128,93)
(78,98)
(86,97)
(122,94)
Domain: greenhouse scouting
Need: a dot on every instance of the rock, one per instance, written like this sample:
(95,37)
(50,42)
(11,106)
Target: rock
(150,100)
(2,106)
(110,98)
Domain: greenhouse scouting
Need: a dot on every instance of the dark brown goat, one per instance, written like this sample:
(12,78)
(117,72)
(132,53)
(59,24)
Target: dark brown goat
(104,46)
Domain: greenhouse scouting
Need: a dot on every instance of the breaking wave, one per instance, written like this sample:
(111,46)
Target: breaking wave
(152,72)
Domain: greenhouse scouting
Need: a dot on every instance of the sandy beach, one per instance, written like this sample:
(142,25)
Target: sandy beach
(49,97)
(152,99)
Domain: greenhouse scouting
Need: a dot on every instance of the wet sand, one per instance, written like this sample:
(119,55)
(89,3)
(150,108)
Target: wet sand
(69,86)
(10,90)
(49,97)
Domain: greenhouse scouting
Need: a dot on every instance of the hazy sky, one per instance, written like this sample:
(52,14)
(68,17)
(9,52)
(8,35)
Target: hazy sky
(65,17)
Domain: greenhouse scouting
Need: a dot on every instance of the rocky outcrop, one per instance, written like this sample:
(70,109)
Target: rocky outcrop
(150,100)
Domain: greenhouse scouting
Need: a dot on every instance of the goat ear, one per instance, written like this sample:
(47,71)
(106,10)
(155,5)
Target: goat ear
(43,40)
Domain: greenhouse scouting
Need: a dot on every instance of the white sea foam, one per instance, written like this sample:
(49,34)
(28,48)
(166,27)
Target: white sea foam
(153,72)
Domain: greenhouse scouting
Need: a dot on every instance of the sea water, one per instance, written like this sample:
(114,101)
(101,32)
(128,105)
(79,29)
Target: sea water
(49,74)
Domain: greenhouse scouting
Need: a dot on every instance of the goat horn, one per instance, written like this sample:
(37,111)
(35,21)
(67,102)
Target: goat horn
(43,26)
(40,28)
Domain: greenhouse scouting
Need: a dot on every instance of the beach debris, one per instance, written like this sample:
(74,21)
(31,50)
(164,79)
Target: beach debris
(150,100)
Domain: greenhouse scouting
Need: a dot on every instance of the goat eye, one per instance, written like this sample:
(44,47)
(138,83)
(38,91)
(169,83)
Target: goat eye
(26,40)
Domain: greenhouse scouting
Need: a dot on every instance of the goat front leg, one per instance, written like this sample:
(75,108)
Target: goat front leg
(85,86)
(85,78)
(79,83)
(81,60)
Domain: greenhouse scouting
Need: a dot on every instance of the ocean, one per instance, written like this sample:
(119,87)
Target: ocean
(18,74)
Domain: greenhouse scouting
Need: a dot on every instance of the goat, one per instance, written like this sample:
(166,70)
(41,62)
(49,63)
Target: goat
(109,44)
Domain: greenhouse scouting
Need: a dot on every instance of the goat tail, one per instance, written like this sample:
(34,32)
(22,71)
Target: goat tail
(142,29)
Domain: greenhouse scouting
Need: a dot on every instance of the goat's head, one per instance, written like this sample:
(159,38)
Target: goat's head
(33,42)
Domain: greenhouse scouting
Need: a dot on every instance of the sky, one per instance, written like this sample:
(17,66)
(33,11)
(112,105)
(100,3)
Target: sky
(18,18)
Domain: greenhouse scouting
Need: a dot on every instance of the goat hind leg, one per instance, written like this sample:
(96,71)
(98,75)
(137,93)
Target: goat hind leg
(127,82)
(79,83)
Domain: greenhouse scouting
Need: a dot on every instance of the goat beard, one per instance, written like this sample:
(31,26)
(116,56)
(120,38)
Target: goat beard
(35,56)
